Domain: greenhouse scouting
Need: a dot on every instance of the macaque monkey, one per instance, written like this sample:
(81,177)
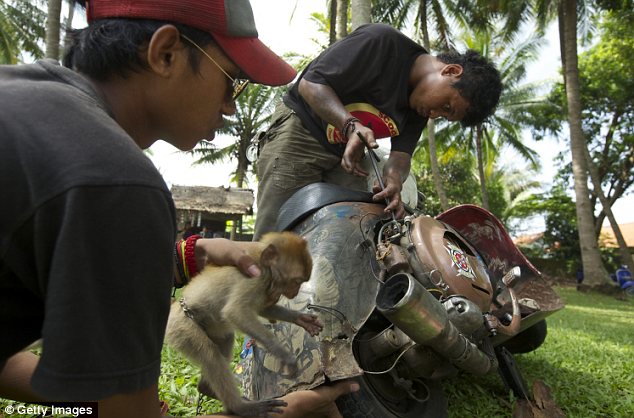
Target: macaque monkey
(220,300)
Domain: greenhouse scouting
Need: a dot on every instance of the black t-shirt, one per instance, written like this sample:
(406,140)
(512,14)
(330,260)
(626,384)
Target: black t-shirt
(87,227)
(371,66)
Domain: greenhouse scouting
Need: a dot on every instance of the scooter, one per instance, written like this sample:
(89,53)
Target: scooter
(404,303)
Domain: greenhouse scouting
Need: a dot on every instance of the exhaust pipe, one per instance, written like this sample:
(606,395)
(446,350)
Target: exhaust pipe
(409,306)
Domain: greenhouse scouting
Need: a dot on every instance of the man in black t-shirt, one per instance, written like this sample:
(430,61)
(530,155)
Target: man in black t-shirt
(376,83)
(87,224)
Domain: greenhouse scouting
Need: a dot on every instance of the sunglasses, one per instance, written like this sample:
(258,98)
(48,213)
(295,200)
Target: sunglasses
(238,85)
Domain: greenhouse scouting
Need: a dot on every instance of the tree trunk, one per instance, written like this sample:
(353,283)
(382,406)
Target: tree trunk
(593,270)
(68,24)
(431,126)
(332,35)
(483,187)
(342,18)
(624,252)
(361,13)
(52,28)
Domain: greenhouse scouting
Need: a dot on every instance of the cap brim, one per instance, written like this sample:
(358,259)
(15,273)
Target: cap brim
(256,60)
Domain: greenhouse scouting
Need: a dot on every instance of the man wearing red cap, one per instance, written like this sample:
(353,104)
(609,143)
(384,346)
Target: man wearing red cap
(87,224)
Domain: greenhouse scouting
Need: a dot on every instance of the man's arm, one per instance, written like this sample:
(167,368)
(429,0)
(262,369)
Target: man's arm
(15,377)
(316,403)
(324,101)
(224,252)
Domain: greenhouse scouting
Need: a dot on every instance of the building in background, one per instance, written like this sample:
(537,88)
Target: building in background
(218,208)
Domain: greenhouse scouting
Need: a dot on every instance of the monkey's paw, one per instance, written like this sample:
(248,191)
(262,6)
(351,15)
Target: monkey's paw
(258,409)
(205,389)
(310,323)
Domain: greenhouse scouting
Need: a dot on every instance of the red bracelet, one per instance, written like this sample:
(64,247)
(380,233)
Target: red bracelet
(190,255)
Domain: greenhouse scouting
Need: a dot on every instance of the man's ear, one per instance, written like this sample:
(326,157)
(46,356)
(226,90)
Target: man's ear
(454,70)
(269,256)
(165,50)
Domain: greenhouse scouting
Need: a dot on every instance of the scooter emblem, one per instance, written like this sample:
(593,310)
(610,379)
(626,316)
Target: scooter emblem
(460,260)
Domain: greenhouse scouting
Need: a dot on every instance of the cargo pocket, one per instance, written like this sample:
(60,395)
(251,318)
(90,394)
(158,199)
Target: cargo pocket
(290,175)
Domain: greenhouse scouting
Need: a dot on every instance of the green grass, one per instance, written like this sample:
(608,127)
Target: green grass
(587,360)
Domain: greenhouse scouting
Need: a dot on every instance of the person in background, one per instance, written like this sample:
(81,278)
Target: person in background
(374,83)
(87,225)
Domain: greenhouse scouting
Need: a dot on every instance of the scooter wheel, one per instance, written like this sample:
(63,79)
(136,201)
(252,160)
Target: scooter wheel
(528,340)
(369,403)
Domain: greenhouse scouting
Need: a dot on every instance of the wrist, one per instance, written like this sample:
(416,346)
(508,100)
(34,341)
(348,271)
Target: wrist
(185,260)
(348,128)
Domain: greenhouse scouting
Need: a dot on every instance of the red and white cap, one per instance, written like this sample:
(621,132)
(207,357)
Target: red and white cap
(230,22)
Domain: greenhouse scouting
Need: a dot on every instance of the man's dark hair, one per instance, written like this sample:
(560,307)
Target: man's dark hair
(480,84)
(113,46)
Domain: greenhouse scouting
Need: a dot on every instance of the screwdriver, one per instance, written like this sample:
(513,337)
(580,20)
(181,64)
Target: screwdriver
(374,160)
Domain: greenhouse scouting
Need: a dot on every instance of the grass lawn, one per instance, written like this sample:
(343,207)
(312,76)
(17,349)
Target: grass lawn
(587,360)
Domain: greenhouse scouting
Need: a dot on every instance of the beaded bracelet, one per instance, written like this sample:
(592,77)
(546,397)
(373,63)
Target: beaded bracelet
(185,259)
(181,279)
(346,127)
(189,256)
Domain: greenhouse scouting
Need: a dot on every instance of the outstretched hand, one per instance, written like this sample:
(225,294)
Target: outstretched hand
(310,323)
(319,402)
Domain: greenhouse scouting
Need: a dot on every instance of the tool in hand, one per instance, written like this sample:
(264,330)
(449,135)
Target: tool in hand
(374,160)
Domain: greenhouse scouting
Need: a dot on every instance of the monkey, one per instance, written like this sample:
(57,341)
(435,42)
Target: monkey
(220,300)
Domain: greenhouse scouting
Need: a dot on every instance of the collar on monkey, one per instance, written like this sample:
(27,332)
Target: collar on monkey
(188,313)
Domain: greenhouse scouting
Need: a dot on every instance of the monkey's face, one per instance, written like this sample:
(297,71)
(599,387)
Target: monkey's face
(292,288)
(290,262)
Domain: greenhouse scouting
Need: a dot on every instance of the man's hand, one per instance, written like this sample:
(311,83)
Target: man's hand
(319,402)
(223,252)
(395,171)
(392,193)
(355,150)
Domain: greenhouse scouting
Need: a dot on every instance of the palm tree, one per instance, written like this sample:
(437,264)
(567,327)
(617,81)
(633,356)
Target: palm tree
(571,16)
(503,127)
(593,269)
(21,30)
(361,13)
(342,18)
(53,28)
(253,112)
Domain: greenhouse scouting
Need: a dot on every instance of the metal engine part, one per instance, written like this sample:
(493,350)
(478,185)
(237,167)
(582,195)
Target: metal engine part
(410,307)
(464,314)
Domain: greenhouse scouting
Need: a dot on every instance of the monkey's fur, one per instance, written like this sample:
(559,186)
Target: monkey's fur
(221,300)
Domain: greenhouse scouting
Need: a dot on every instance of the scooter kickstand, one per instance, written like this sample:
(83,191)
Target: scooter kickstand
(510,373)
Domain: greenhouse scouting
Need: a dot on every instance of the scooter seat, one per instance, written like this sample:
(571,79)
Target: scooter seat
(313,197)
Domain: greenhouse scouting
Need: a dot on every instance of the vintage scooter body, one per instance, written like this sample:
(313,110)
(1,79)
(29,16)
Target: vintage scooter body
(403,303)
